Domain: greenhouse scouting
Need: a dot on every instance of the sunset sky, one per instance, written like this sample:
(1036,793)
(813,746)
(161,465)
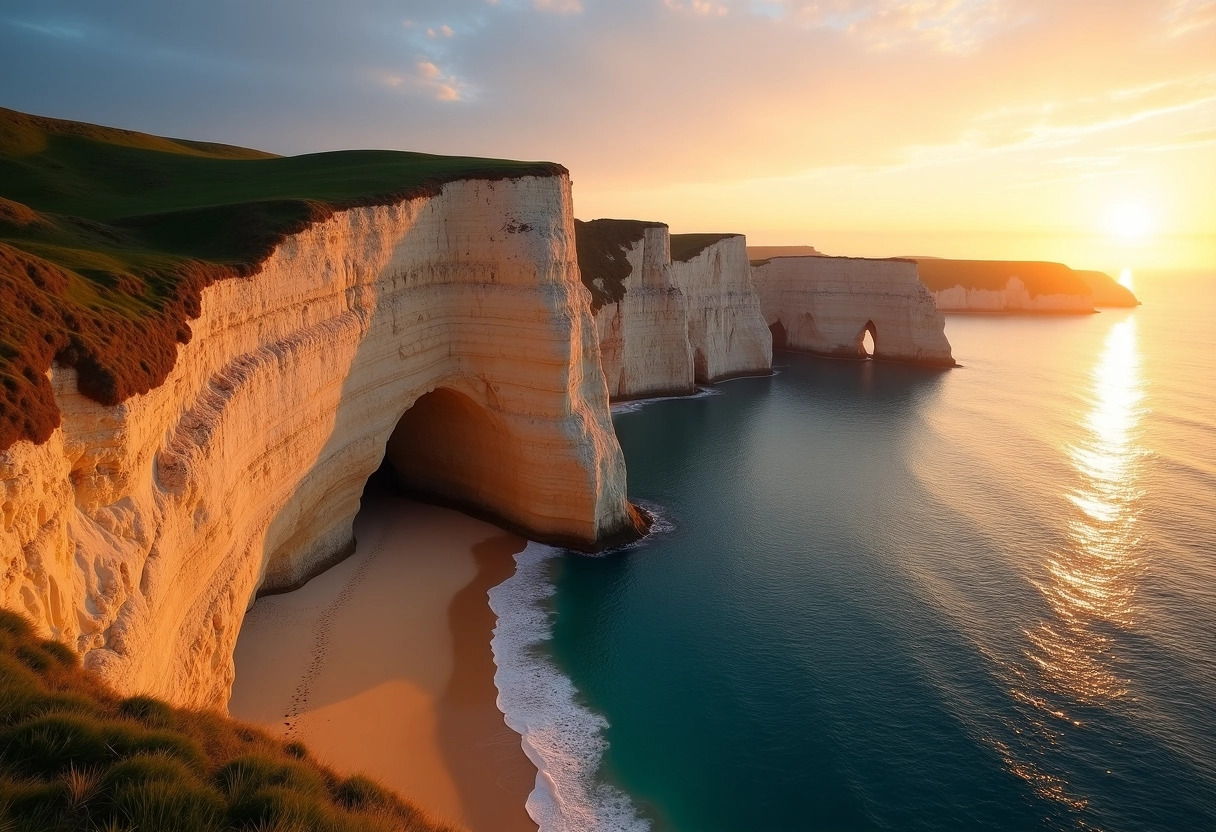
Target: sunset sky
(1075,131)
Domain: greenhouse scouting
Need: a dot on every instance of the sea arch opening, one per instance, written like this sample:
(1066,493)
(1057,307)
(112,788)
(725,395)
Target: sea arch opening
(867,341)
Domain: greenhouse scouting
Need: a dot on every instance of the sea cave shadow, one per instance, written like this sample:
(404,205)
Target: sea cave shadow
(885,390)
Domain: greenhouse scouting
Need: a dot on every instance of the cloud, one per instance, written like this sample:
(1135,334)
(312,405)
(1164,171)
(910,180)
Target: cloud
(947,25)
(558,6)
(700,7)
(439,84)
(1186,16)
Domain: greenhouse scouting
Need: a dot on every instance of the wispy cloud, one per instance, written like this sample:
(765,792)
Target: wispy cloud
(1186,16)
(558,6)
(947,25)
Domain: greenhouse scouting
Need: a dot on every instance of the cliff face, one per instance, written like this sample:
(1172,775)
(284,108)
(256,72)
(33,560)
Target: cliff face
(825,305)
(726,329)
(1014,297)
(451,329)
(643,337)
(664,325)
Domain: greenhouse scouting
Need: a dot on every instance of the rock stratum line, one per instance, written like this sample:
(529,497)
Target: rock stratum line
(139,532)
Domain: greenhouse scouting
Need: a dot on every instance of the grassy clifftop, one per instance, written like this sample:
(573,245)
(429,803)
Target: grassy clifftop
(684,247)
(603,247)
(108,237)
(1040,278)
(74,757)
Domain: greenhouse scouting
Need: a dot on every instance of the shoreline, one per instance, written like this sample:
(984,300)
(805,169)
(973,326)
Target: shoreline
(383,665)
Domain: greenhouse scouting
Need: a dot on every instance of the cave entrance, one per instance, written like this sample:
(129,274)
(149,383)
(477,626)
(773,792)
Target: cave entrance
(779,335)
(450,449)
(700,366)
(867,340)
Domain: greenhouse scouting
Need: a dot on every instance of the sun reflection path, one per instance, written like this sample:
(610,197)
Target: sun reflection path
(1090,582)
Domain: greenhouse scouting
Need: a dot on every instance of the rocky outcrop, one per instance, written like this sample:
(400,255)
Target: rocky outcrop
(825,305)
(450,329)
(726,329)
(666,325)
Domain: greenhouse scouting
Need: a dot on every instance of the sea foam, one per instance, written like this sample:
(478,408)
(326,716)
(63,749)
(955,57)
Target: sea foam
(634,405)
(562,738)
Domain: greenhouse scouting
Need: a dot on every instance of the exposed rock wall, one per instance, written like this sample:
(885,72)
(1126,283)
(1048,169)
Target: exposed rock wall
(643,336)
(726,329)
(825,305)
(140,533)
(666,325)
(1015,297)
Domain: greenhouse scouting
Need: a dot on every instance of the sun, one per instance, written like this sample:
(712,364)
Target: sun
(1129,222)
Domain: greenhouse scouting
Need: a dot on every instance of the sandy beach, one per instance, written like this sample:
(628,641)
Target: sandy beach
(382,664)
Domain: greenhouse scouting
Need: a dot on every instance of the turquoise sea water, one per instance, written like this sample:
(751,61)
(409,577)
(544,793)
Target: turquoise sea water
(901,599)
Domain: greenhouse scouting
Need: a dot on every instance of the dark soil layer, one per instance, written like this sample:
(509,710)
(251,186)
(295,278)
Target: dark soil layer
(108,237)
(74,757)
(684,247)
(769,252)
(602,255)
(1040,278)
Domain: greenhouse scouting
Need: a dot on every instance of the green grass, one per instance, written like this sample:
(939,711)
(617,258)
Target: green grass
(74,757)
(684,247)
(108,237)
(603,255)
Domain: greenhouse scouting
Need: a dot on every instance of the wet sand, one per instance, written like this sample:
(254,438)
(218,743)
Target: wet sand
(382,665)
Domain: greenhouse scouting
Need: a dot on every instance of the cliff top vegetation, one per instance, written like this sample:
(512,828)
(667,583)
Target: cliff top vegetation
(603,249)
(74,757)
(108,237)
(1040,278)
(684,247)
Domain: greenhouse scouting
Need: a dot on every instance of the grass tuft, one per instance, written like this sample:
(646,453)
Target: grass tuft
(76,758)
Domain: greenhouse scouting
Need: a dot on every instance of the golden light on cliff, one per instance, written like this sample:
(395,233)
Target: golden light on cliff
(1090,583)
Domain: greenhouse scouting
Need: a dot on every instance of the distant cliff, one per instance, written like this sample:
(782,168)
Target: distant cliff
(825,305)
(998,286)
(666,325)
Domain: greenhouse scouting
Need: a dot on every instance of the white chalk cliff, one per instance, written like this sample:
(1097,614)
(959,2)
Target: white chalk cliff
(726,329)
(825,305)
(643,337)
(665,326)
(140,533)
(1015,297)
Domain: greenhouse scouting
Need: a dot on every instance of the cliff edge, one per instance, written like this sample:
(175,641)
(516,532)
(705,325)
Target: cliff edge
(219,405)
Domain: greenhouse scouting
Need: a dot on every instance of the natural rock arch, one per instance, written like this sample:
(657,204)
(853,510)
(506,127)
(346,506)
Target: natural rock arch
(872,331)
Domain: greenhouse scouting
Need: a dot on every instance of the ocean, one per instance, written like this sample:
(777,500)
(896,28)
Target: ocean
(883,597)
